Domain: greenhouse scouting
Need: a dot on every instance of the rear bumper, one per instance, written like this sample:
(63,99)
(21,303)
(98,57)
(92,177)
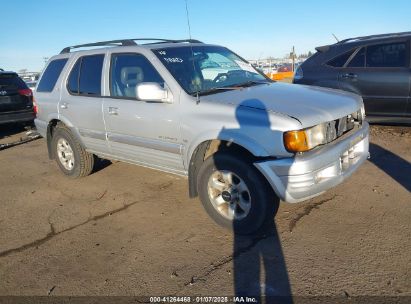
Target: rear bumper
(17,116)
(310,174)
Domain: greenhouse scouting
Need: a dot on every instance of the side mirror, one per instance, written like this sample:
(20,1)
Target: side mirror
(151,91)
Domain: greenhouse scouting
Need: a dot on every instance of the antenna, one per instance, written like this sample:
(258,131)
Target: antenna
(188,20)
(191,47)
(335,37)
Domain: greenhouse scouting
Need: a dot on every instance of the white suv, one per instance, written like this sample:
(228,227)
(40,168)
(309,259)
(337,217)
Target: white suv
(243,140)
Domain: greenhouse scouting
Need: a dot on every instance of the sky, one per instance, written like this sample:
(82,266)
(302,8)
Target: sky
(34,29)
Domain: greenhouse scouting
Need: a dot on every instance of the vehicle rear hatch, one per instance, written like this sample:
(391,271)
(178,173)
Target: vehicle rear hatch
(14,93)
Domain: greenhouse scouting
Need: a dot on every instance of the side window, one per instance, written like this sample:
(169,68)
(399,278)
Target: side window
(50,75)
(339,61)
(85,76)
(387,55)
(72,83)
(359,60)
(90,75)
(128,70)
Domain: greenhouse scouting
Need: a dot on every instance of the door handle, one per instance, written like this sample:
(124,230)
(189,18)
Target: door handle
(349,76)
(112,111)
(64,105)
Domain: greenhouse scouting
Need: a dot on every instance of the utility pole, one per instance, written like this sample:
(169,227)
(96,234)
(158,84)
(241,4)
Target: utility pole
(293,58)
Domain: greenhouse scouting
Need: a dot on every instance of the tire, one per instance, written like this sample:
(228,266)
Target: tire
(258,197)
(65,144)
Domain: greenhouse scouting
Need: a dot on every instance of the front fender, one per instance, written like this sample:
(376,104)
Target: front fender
(230,135)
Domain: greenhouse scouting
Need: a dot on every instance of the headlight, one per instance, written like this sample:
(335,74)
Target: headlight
(309,138)
(306,139)
(362,111)
(359,116)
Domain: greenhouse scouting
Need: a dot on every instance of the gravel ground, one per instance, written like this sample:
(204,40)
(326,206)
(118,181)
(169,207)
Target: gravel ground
(128,230)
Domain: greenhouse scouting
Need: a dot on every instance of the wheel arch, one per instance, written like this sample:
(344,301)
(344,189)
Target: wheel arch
(206,149)
(53,123)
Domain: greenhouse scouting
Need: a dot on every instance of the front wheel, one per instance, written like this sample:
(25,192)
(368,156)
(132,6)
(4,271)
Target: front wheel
(236,195)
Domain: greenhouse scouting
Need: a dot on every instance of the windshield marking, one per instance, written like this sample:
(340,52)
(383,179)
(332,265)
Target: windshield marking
(208,69)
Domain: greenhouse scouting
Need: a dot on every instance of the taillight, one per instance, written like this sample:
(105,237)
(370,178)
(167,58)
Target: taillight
(26,92)
(35,107)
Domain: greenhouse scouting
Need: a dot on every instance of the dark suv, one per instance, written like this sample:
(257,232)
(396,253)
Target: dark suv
(376,67)
(16,99)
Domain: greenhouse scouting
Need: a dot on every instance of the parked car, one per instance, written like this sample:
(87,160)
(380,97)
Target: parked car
(376,67)
(16,99)
(286,67)
(243,141)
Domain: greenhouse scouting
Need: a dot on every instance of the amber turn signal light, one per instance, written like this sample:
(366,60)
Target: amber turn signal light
(296,141)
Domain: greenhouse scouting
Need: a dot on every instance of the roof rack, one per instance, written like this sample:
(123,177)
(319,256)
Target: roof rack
(126,42)
(375,36)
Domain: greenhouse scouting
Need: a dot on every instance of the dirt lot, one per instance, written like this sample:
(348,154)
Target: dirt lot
(127,230)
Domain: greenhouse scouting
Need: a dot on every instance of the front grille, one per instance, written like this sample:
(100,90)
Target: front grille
(339,127)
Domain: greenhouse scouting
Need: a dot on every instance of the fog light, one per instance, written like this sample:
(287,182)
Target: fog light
(331,171)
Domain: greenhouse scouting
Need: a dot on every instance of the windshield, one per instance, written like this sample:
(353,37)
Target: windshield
(208,69)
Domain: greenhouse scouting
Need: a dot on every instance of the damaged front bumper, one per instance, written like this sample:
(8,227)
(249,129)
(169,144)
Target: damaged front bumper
(312,173)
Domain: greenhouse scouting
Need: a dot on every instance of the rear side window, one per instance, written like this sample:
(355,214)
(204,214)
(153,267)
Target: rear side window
(359,60)
(72,83)
(90,75)
(50,75)
(85,76)
(339,61)
(387,55)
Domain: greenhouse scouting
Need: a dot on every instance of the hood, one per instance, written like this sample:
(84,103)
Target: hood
(310,105)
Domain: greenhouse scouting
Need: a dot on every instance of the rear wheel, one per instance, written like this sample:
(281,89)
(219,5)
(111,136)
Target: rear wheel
(236,195)
(71,157)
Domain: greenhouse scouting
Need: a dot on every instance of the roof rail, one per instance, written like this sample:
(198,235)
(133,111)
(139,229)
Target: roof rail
(375,36)
(126,42)
(171,40)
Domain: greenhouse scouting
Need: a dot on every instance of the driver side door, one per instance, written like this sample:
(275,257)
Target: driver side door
(142,132)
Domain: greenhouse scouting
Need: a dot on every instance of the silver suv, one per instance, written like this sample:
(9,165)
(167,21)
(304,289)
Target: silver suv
(200,111)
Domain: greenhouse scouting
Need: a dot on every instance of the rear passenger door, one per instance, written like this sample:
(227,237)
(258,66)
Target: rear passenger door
(381,74)
(143,132)
(81,101)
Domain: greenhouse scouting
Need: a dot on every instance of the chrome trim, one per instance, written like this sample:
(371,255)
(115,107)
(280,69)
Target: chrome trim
(145,143)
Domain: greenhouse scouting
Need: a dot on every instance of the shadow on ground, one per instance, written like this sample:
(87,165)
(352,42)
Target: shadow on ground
(261,272)
(100,164)
(237,191)
(395,166)
(8,130)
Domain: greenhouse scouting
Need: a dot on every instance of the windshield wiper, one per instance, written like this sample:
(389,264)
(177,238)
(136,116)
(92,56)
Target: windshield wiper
(231,87)
(214,90)
(250,83)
